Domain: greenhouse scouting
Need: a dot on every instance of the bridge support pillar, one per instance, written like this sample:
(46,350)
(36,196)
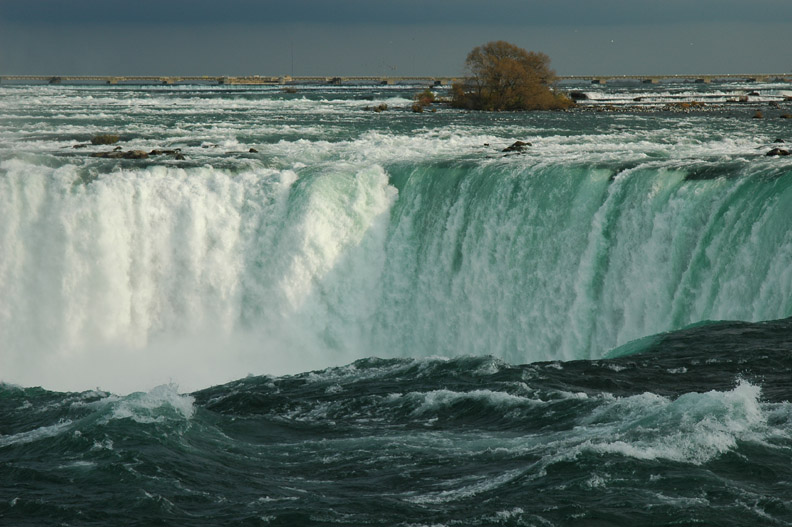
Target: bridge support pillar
(651,80)
(703,80)
(598,81)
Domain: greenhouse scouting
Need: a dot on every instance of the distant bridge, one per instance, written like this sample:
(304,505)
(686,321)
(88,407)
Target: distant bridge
(384,80)
(654,79)
(222,79)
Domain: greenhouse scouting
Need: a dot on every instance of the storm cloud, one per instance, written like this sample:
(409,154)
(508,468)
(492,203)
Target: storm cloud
(410,37)
(431,12)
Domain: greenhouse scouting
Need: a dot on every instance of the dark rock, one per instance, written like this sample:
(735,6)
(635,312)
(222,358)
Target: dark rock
(777,152)
(754,94)
(786,116)
(117,149)
(517,146)
(779,140)
(578,96)
(105,139)
(758,115)
(179,157)
(81,145)
(159,152)
(380,108)
(253,151)
(108,155)
(116,154)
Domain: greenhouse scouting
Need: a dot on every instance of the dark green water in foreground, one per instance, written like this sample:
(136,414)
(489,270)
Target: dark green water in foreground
(694,430)
(382,319)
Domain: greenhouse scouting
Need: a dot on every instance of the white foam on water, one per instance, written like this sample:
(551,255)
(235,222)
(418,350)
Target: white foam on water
(717,93)
(694,428)
(203,276)
(503,515)
(438,401)
(157,405)
(34,435)
(151,274)
(306,256)
(79,465)
(466,488)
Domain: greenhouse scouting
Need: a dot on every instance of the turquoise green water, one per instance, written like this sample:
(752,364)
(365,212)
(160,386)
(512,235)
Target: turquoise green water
(479,292)
(350,233)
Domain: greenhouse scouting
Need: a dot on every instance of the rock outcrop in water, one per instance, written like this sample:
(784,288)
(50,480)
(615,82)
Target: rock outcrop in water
(517,146)
(120,154)
(105,139)
(778,152)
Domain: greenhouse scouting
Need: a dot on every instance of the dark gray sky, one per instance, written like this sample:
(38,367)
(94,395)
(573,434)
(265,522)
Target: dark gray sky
(389,37)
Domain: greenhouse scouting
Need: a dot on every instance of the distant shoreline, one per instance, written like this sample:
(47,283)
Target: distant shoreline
(352,80)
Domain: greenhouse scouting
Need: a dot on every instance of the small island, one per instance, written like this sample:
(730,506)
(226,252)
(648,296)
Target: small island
(502,76)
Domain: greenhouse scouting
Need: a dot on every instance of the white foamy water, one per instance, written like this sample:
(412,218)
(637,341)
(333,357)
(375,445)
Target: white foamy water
(350,233)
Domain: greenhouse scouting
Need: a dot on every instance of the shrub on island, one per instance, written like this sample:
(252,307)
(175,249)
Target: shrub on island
(422,100)
(502,76)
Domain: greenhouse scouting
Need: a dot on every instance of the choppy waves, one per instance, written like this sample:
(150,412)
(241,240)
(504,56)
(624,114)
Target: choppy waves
(673,432)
